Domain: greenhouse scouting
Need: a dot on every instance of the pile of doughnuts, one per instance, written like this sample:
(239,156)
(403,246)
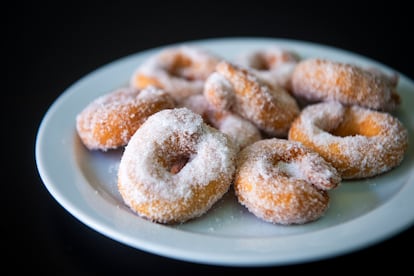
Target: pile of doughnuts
(278,130)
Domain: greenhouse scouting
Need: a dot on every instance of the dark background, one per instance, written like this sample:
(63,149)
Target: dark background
(49,47)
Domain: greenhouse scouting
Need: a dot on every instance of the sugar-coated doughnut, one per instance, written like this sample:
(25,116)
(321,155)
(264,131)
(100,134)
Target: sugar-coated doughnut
(316,79)
(175,167)
(109,121)
(180,70)
(359,142)
(284,182)
(240,130)
(233,88)
(272,64)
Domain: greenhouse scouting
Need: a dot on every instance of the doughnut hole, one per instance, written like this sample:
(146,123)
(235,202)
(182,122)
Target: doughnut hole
(178,164)
(268,61)
(142,81)
(261,63)
(175,153)
(287,165)
(180,68)
(353,125)
(184,66)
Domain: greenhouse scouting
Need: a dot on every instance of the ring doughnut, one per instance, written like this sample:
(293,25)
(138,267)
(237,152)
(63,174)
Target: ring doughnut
(273,65)
(240,130)
(233,88)
(184,167)
(322,80)
(109,121)
(179,70)
(283,182)
(359,142)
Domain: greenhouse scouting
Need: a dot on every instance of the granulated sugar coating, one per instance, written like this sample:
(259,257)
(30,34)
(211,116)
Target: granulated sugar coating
(283,182)
(359,142)
(283,129)
(271,109)
(324,80)
(181,71)
(109,121)
(176,167)
(240,130)
(273,65)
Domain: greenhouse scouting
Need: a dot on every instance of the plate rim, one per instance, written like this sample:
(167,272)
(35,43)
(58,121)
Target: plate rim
(220,258)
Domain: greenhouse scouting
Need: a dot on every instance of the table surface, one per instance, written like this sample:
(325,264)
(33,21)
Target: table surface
(50,47)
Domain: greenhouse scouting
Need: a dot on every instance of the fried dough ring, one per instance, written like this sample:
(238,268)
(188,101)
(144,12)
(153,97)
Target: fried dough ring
(240,130)
(323,80)
(179,70)
(175,167)
(233,88)
(283,182)
(109,121)
(359,142)
(273,65)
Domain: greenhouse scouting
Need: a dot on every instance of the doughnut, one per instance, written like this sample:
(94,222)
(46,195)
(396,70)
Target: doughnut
(359,142)
(273,65)
(240,130)
(109,121)
(318,79)
(198,104)
(180,70)
(284,182)
(175,167)
(233,88)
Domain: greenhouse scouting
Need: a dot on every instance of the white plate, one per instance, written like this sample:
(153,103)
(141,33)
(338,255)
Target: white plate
(84,183)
